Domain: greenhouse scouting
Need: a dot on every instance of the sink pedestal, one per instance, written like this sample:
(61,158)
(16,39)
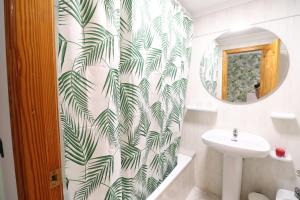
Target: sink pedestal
(235,147)
(232,177)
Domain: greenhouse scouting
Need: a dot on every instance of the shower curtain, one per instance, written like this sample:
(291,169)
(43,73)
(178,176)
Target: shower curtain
(122,79)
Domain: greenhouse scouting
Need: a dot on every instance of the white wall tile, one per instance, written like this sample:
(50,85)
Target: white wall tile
(255,117)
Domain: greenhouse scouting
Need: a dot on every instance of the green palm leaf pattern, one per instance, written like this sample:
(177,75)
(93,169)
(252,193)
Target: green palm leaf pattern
(148,37)
(74,89)
(109,7)
(61,14)
(157,163)
(152,184)
(99,170)
(154,57)
(167,95)
(160,84)
(177,19)
(138,39)
(165,42)
(131,157)
(175,115)
(124,27)
(81,10)
(112,85)
(106,125)
(144,124)
(170,160)
(140,130)
(176,51)
(188,53)
(158,113)
(187,24)
(122,81)
(127,5)
(170,70)
(141,175)
(62,47)
(173,148)
(179,86)
(97,44)
(80,144)
(120,129)
(131,60)
(121,189)
(153,140)
(144,87)
(157,25)
(140,183)
(167,136)
(129,99)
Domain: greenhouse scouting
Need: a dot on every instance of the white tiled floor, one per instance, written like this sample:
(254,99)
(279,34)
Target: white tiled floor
(197,194)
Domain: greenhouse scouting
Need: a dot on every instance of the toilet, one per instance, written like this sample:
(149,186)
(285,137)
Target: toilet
(285,195)
(257,196)
(281,195)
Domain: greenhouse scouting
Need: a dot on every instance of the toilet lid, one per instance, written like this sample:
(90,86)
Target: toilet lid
(257,196)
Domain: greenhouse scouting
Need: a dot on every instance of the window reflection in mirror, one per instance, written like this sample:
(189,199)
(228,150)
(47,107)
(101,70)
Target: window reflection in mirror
(245,66)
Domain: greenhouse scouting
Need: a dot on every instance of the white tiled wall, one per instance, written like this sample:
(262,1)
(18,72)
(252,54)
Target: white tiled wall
(262,175)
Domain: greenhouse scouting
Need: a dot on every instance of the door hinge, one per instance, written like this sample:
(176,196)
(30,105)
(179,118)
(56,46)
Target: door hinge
(55,178)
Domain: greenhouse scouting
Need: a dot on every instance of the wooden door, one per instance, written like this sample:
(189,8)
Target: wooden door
(32,84)
(270,67)
(224,75)
(225,63)
(269,70)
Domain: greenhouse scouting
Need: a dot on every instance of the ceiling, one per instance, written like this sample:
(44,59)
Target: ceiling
(199,8)
(247,35)
(246,32)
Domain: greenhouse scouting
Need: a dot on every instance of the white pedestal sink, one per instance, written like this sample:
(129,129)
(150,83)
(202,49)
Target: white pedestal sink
(234,149)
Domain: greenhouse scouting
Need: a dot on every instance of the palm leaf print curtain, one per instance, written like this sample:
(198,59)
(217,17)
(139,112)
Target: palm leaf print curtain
(210,66)
(122,80)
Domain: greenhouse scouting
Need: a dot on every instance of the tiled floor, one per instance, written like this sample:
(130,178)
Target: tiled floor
(197,194)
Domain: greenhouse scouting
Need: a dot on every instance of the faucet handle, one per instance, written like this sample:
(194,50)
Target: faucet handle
(235,135)
(235,132)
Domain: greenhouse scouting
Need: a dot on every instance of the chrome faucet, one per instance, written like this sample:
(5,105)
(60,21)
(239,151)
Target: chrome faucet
(235,135)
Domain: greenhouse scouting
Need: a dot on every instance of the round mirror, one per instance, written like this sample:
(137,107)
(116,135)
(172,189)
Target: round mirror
(244,66)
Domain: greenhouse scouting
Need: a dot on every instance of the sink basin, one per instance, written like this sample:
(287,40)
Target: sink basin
(246,145)
(235,146)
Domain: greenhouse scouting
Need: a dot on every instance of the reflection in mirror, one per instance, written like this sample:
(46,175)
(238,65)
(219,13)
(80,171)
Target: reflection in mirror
(244,66)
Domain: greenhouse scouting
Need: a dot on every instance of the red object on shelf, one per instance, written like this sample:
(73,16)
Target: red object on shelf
(280,152)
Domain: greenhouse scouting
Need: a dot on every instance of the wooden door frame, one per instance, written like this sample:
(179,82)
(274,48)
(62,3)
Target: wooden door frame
(32,82)
(225,63)
(263,71)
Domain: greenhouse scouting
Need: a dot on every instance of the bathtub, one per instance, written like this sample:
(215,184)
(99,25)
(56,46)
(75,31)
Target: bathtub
(179,183)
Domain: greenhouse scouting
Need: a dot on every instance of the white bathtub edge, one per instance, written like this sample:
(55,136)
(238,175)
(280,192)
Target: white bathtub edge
(183,161)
